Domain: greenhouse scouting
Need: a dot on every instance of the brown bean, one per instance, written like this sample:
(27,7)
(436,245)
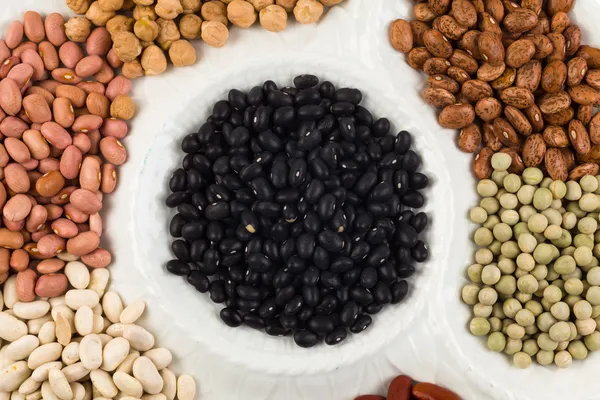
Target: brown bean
(70,54)
(520,53)
(98,104)
(457,116)
(584,94)
(10,240)
(555,164)
(437,43)
(487,23)
(401,35)
(50,266)
(506,133)
(584,169)
(534,150)
(99,258)
(54,211)
(66,75)
(25,284)
(554,102)
(113,151)
(50,184)
(520,20)
(19,260)
(591,56)
(482,164)
(579,137)
(560,46)
(518,120)
(585,113)
(83,243)
(51,285)
(573,40)
(556,6)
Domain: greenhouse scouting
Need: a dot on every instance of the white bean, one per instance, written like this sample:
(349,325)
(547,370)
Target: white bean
(10,292)
(76,298)
(77,274)
(127,365)
(47,393)
(59,385)
(104,338)
(78,391)
(44,354)
(35,325)
(29,386)
(99,280)
(90,351)
(161,357)
(57,301)
(32,310)
(98,310)
(37,395)
(186,387)
(139,338)
(132,312)
(21,348)
(170,383)
(158,396)
(66,311)
(70,354)
(67,257)
(145,372)
(98,326)
(40,374)
(128,384)
(75,372)
(47,333)
(112,306)
(11,328)
(64,330)
(1,305)
(114,353)
(13,376)
(17,396)
(84,320)
(104,383)
(4,396)
(116,330)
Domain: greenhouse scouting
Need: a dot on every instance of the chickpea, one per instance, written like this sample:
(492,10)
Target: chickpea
(190,26)
(127,46)
(154,61)
(167,33)
(241,13)
(273,18)
(128,5)
(214,33)
(214,11)
(144,2)
(182,53)
(260,4)
(168,9)
(110,5)
(191,6)
(140,12)
(146,44)
(226,1)
(308,11)
(287,4)
(120,23)
(146,29)
(79,6)
(132,70)
(122,107)
(330,3)
(78,29)
(98,16)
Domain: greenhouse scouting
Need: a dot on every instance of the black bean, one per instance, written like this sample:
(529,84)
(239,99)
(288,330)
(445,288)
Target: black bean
(341,265)
(351,95)
(373,308)
(306,81)
(255,95)
(190,144)
(176,198)
(411,161)
(221,110)
(418,181)
(217,292)
(368,277)
(381,127)
(342,109)
(412,199)
(289,322)
(193,230)
(336,337)
(382,293)
(284,295)
(420,252)
(254,321)
(362,322)
(403,142)
(331,241)
(305,339)
(176,225)
(237,99)
(321,325)
(326,207)
(262,118)
(267,208)
(405,270)
(199,281)
(327,305)
(305,97)
(361,295)
(178,180)
(177,267)
(382,191)
(310,140)
(349,313)
(258,262)
(298,170)
(206,132)
(399,291)
(181,249)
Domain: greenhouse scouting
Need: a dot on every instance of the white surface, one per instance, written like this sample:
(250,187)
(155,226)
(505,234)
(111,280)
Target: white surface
(424,337)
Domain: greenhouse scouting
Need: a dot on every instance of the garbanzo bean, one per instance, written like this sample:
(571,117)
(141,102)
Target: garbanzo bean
(182,53)
(273,18)
(308,11)
(190,26)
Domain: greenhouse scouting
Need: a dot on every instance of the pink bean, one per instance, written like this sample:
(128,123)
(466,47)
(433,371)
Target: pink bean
(87,123)
(70,162)
(21,74)
(16,178)
(49,55)
(72,213)
(99,42)
(88,66)
(51,245)
(86,201)
(32,58)
(49,164)
(31,164)
(36,144)
(113,151)
(36,219)
(13,127)
(14,34)
(50,266)
(109,178)
(18,52)
(33,26)
(51,285)
(83,243)
(95,138)
(4,51)
(56,135)
(96,224)
(4,157)
(17,208)
(70,54)
(55,29)
(25,284)
(113,60)
(90,175)
(64,228)
(17,149)
(65,75)
(50,86)
(117,87)
(106,74)
(99,258)
(91,87)
(54,211)
(63,111)
(82,142)
(19,260)
(114,127)
(13,226)
(7,65)
(10,96)
(37,109)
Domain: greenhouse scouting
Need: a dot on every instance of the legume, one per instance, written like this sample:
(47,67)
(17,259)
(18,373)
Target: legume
(313,242)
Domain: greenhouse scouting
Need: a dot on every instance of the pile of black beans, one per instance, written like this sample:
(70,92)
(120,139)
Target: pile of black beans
(294,210)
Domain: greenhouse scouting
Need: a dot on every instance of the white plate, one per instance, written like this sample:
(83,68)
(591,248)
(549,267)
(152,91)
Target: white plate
(424,337)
